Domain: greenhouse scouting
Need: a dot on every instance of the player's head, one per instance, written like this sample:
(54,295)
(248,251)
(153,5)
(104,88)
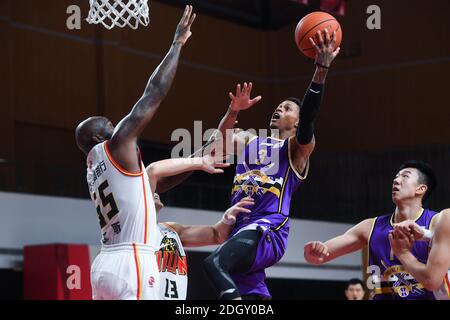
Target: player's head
(354,289)
(286,117)
(415,179)
(92,131)
(158,203)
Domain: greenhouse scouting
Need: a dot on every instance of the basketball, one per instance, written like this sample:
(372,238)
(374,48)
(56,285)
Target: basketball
(308,27)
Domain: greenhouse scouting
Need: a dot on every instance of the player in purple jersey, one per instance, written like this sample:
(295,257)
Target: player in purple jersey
(412,185)
(269,170)
(435,273)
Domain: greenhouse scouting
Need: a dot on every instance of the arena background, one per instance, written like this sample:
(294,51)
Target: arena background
(386,101)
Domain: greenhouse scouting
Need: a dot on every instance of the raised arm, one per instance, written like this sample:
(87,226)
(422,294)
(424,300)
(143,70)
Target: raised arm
(173,167)
(123,142)
(430,275)
(317,253)
(197,236)
(305,142)
(240,101)
(166,183)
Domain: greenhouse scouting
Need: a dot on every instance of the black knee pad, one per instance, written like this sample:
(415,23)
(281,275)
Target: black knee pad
(208,264)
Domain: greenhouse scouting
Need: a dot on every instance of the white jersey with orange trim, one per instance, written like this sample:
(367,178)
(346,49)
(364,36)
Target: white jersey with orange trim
(172,264)
(443,292)
(126,265)
(123,200)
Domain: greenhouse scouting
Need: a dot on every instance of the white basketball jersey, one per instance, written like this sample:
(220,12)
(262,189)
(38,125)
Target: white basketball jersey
(172,264)
(123,200)
(443,292)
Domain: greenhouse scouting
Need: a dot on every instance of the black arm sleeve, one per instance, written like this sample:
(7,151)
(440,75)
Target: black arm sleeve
(309,109)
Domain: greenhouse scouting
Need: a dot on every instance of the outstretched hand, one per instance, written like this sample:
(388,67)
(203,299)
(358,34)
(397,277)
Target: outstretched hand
(239,208)
(324,46)
(241,100)
(212,164)
(183,31)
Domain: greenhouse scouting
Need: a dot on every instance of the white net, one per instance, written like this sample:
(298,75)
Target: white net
(119,13)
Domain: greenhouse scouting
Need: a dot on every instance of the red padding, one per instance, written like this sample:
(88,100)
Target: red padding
(57,272)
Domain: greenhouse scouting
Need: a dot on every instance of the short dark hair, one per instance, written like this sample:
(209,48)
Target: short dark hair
(426,175)
(295,100)
(352,282)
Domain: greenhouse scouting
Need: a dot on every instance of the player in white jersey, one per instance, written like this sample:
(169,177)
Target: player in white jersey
(119,187)
(435,274)
(173,237)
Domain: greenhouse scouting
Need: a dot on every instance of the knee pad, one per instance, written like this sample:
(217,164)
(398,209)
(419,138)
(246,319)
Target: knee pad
(208,264)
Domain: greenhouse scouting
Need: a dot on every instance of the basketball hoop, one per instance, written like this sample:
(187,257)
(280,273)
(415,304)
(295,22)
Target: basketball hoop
(119,13)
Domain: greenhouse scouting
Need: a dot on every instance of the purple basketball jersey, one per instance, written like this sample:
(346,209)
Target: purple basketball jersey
(265,172)
(393,282)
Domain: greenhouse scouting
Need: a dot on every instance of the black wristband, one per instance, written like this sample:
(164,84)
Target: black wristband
(321,65)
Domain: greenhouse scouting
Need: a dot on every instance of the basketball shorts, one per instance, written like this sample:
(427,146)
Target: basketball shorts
(125,271)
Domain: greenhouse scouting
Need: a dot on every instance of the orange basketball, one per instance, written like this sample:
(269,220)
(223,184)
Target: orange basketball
(308,27)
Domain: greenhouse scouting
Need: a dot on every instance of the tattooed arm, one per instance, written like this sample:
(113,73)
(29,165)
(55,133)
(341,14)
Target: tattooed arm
(123,144)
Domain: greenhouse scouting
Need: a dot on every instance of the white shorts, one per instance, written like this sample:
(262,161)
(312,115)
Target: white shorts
(125,272)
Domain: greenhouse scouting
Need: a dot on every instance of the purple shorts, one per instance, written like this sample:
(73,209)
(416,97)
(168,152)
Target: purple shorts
(271,249)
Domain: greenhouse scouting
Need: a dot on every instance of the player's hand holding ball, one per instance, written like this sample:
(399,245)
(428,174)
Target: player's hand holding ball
(324,46)
(318,36)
